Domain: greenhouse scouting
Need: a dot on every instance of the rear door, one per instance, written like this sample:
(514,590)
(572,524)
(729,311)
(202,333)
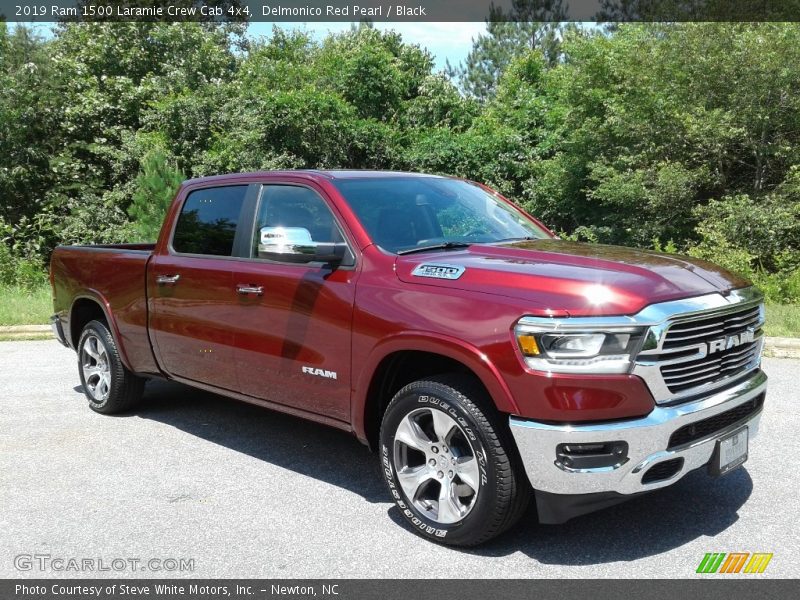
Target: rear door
(192,296)
(293,325)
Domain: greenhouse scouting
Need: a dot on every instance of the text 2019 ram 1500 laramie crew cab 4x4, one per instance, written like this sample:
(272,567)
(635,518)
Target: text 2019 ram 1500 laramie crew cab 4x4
(483,359)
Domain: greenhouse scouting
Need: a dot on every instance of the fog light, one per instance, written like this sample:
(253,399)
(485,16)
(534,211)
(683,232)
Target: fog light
(595,455)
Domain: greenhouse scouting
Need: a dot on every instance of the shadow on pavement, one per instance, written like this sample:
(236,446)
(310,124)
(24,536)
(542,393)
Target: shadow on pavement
(318,451)
(696,506)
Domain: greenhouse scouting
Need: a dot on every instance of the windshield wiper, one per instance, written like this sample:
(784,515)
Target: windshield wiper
(526,238)
(442,246)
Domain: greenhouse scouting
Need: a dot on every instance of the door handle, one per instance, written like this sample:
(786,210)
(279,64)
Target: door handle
(258,290)
(167,279)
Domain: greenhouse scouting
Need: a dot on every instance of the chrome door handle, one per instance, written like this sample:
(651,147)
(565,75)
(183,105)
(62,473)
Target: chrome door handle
(258,290)
(167,279)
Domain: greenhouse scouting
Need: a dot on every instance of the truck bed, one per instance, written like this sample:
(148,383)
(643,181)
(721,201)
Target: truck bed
(115,275)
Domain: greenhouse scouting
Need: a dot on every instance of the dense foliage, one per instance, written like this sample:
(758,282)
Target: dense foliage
(684,136)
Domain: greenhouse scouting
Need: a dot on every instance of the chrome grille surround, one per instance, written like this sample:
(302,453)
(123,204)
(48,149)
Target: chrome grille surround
(678,360)
(664,351)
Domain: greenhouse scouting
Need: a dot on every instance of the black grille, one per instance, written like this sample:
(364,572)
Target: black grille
(663,470)
(710,426)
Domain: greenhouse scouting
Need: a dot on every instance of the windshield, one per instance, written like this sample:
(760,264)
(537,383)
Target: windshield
(403,213)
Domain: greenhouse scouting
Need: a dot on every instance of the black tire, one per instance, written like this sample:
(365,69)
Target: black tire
(504,491)
(109,386)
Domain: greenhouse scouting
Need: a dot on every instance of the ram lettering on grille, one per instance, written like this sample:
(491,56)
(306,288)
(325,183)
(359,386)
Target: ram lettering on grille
(731,341)
(705,350)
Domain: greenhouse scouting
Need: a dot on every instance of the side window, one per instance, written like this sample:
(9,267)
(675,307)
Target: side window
(208,220)
(295,214)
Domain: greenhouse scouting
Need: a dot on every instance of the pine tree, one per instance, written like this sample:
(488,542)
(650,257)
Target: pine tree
(155,186)
(529,25)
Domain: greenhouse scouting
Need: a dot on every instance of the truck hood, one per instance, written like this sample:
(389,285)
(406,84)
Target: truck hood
(560,278)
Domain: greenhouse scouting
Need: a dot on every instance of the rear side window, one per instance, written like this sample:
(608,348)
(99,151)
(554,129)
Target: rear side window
(208,220)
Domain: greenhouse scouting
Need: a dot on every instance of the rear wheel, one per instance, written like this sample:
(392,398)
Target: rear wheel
(108,385)
(448,462)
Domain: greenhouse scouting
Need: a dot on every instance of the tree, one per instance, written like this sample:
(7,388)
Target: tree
(647,123)
(27,120)
(493,52)
(530,25)
(111,73)
(643,134)
(155,186)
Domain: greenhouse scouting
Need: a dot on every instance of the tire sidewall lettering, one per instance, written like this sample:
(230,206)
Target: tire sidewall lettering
(447,408)
(451,411)
(422,525)
(389,475)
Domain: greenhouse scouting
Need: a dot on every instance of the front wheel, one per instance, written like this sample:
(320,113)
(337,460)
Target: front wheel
(448,462)
(108,385)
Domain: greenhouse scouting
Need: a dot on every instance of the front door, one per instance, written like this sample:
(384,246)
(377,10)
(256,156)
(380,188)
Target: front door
(293,326)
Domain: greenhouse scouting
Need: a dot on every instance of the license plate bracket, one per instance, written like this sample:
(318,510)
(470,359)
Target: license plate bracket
(730,453)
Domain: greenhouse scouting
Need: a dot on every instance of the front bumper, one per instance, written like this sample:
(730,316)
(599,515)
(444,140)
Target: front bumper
(648,440)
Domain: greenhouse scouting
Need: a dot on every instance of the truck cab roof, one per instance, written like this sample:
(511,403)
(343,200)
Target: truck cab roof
(329,174)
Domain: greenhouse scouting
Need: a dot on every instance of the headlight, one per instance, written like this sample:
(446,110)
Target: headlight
(605,350)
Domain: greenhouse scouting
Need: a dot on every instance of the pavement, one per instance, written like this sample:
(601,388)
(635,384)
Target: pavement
(233,490)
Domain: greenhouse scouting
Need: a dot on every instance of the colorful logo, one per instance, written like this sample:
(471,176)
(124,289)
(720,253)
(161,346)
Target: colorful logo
(734,562)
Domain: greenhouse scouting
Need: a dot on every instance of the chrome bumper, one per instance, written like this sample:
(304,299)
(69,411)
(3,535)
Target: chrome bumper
(647,438)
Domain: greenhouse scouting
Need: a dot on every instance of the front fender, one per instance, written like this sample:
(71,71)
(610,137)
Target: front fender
(421,341)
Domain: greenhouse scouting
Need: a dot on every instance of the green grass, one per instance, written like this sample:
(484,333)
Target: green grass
(34,307)
(783,320)
(19,306)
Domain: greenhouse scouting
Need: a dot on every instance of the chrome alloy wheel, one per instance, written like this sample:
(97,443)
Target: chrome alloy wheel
(96,368)
(436,465)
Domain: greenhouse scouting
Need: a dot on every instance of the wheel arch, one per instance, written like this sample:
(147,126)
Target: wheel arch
(90,307)
(412,356)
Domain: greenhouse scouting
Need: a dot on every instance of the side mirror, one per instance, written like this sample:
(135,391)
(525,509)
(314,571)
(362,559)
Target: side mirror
(329,252)
(294,244)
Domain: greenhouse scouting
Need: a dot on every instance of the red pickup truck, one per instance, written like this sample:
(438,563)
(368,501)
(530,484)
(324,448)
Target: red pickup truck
(486,361)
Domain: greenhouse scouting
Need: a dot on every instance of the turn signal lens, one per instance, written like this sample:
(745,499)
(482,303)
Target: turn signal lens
(528,345)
